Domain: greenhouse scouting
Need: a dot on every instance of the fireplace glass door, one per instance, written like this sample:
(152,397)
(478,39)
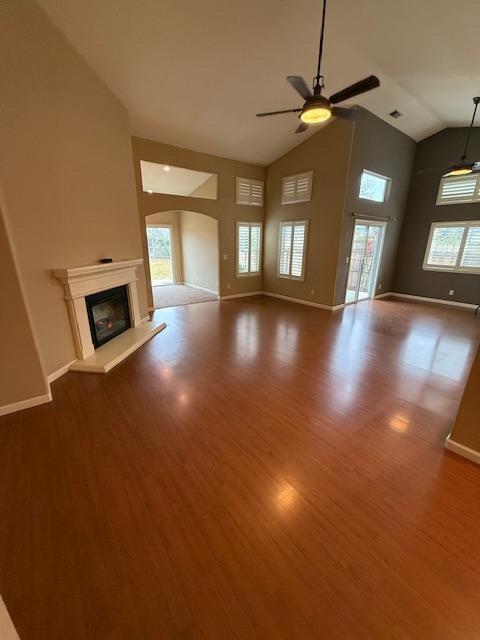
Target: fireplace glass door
(108,314)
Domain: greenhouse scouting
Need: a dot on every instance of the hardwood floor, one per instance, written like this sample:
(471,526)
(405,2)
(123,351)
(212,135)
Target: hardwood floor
(259,470)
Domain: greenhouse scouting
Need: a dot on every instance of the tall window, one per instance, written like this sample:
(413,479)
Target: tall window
(453,246)
(373,187)
(249,248)
(292,248)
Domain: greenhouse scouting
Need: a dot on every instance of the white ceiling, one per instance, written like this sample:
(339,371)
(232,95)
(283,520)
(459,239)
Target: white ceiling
(193,73)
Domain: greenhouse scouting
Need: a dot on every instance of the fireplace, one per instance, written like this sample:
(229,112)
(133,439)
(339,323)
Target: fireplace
(108,314)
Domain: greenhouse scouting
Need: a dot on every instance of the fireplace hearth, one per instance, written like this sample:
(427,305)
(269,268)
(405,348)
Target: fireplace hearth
(108,314)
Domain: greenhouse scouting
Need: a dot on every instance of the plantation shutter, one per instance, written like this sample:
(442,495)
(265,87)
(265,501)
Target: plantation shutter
(249,192)
(249,247)
(458,189)
(297,188)
(454,246)
(291,252)
(471,250)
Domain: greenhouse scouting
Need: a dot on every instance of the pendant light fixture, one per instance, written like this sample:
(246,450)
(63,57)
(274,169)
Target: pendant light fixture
(465,167)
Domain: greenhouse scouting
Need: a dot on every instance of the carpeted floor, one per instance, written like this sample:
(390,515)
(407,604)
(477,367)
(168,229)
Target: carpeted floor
(174,295)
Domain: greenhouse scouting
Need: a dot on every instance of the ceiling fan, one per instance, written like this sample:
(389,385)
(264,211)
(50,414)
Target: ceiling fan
(317,108)
(465,167)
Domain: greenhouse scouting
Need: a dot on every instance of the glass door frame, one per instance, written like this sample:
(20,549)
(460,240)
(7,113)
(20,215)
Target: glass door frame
(169,226)
(377,259)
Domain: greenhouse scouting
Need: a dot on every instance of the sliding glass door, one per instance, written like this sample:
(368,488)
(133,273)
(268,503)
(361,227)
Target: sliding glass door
(364,261)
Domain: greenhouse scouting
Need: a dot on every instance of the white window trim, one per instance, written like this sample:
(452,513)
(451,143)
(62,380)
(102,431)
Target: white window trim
(475,197)
(251,182)
(304,257)
(298,198)
(456,268)
(249,274)
(386,193)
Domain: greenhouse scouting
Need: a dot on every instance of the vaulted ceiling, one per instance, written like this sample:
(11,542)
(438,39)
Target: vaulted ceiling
(193,73)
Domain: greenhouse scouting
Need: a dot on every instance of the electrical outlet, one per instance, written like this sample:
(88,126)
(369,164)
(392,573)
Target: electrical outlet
(312,292)
(379,287)
(451,292)
(225,256)
(196,278)
(228,285)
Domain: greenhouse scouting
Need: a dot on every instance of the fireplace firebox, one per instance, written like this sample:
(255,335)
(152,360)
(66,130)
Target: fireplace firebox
(108,314)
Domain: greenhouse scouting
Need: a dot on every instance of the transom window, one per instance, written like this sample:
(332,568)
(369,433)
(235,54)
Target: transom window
(453,246)
(249,248)
(373,186)
(297,188)
(459,189)
(291,250)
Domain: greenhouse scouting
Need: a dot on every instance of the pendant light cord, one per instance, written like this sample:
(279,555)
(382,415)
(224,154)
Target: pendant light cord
(476,101)
(320,51)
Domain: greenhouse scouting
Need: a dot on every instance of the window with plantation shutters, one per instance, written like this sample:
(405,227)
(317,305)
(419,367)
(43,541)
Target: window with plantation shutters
(249,248)
(292,248)
(453,246)
(458,189)
(297,188)
(249,191)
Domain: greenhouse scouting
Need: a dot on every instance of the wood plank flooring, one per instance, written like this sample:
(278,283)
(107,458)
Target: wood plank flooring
(259,470)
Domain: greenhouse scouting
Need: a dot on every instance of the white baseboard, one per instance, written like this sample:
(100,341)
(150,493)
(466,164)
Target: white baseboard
(59,372)
(25,404)
(147,318)
(462,450)
(241,295)
(449,303)
(308,303)
(383,295)
(196,286)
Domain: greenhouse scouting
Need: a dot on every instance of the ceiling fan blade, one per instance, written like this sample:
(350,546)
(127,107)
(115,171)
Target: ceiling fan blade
(367,84)
(274,113)
(299,84)
(303,126)
(341,112)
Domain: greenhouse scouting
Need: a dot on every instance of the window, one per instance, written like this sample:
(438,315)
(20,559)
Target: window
(249,191)
(453,246)
(458,189)
(291,249)
(297,188)
(373,186)
(249,248)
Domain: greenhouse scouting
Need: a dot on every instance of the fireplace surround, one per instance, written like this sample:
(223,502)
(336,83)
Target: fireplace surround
(104,347)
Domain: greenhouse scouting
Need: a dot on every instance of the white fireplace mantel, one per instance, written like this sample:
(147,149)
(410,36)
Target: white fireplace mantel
(79,282)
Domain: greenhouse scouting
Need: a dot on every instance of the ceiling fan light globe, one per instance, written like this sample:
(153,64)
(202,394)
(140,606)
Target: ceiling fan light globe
(459,172)
(314,115)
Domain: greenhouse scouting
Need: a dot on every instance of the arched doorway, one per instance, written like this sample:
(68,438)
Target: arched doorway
(183,257)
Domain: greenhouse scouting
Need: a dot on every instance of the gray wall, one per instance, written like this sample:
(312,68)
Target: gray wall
(378,147)
(432,157)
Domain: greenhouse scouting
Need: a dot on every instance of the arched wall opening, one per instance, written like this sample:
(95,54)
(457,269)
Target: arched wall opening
(182,249)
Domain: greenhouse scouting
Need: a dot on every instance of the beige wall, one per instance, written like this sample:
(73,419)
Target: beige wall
(199,234)
(207,190)
(171,218)
(65,167)
(223,209)
(467,425)
(327,153)
(22,376)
